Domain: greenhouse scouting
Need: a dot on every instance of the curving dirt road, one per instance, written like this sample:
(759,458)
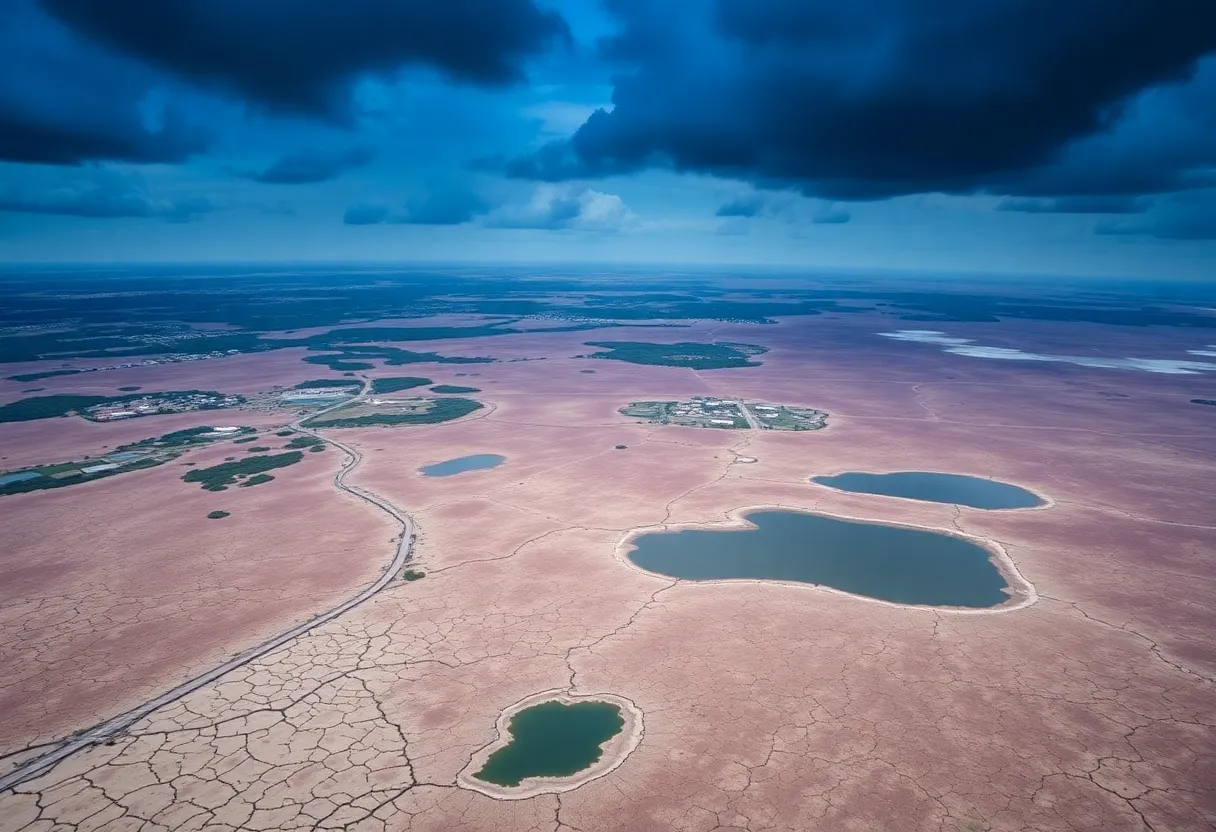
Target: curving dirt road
(101,732)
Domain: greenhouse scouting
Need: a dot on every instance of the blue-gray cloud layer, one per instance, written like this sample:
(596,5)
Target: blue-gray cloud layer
(303,56)
(876,98)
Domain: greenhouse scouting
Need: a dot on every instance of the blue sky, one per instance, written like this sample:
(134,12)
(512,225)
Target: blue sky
(970,135)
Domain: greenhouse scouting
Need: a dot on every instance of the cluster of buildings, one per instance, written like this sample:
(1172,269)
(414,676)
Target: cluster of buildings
(160,403)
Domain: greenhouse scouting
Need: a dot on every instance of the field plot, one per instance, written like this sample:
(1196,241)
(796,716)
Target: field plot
(415,410)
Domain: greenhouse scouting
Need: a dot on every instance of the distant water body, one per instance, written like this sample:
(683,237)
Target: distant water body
(451,467)
(957,489)
(888,563)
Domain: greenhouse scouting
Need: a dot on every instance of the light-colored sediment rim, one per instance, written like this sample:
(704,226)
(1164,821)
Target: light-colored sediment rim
(1021,591)
(1047,502)
(613,751)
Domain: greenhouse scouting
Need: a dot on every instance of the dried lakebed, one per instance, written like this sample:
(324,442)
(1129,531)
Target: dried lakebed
(928,486)
(889,563)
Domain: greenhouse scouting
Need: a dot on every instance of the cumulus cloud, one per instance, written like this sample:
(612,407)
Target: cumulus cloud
(99,193)
(64,100)
(366,214)
(444,204)
(968,347)
(309,166)
(876,98)
(566,207)
(441,203)
(304,57)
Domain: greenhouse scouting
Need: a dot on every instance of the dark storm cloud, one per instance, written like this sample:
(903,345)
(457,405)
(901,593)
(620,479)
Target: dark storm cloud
(1076,205)
(99,193)
(303,56)
(310,166)
(876,98)
(64,101)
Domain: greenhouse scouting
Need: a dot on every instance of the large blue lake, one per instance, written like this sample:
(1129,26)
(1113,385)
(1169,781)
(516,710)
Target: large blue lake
(889,563)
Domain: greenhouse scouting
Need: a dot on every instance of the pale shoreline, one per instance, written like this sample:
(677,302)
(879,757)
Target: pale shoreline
(1047,502)
(1021,591)
(612,752)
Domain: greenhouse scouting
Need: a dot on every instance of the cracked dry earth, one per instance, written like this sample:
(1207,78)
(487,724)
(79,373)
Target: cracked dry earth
(767,707)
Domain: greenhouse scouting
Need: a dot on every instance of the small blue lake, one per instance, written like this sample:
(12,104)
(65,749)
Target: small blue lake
(461,465)
(957,489)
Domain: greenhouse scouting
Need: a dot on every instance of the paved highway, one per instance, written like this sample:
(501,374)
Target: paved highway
(116,725)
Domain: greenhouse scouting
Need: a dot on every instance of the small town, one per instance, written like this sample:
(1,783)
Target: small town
(729,414)
(155,404)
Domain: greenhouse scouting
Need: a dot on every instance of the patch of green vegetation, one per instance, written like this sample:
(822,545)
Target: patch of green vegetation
(338,362)
(444,410)
(70,474)
(398,383)
(356,358)
(324,382)
(219,477)
(412,575)
(316,449)
(305,442)
(257,449)
(244,439)
(454,389)
(217,515)
(1208,402)
(284,432)
(587,371)
(47,407)
(48,374)
(181,438)
(129,389)
(257,479)
(694,356)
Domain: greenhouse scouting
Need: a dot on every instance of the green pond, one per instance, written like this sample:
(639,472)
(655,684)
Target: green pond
(889,563)
(958,489)
(475,462)
(552,739)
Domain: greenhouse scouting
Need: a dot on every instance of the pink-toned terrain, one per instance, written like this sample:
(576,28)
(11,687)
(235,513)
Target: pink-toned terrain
(766,707)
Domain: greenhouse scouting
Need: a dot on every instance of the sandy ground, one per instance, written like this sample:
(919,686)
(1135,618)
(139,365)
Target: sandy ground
(766,706)
(117,589)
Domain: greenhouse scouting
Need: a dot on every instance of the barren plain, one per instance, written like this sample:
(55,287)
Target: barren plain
(766,706)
